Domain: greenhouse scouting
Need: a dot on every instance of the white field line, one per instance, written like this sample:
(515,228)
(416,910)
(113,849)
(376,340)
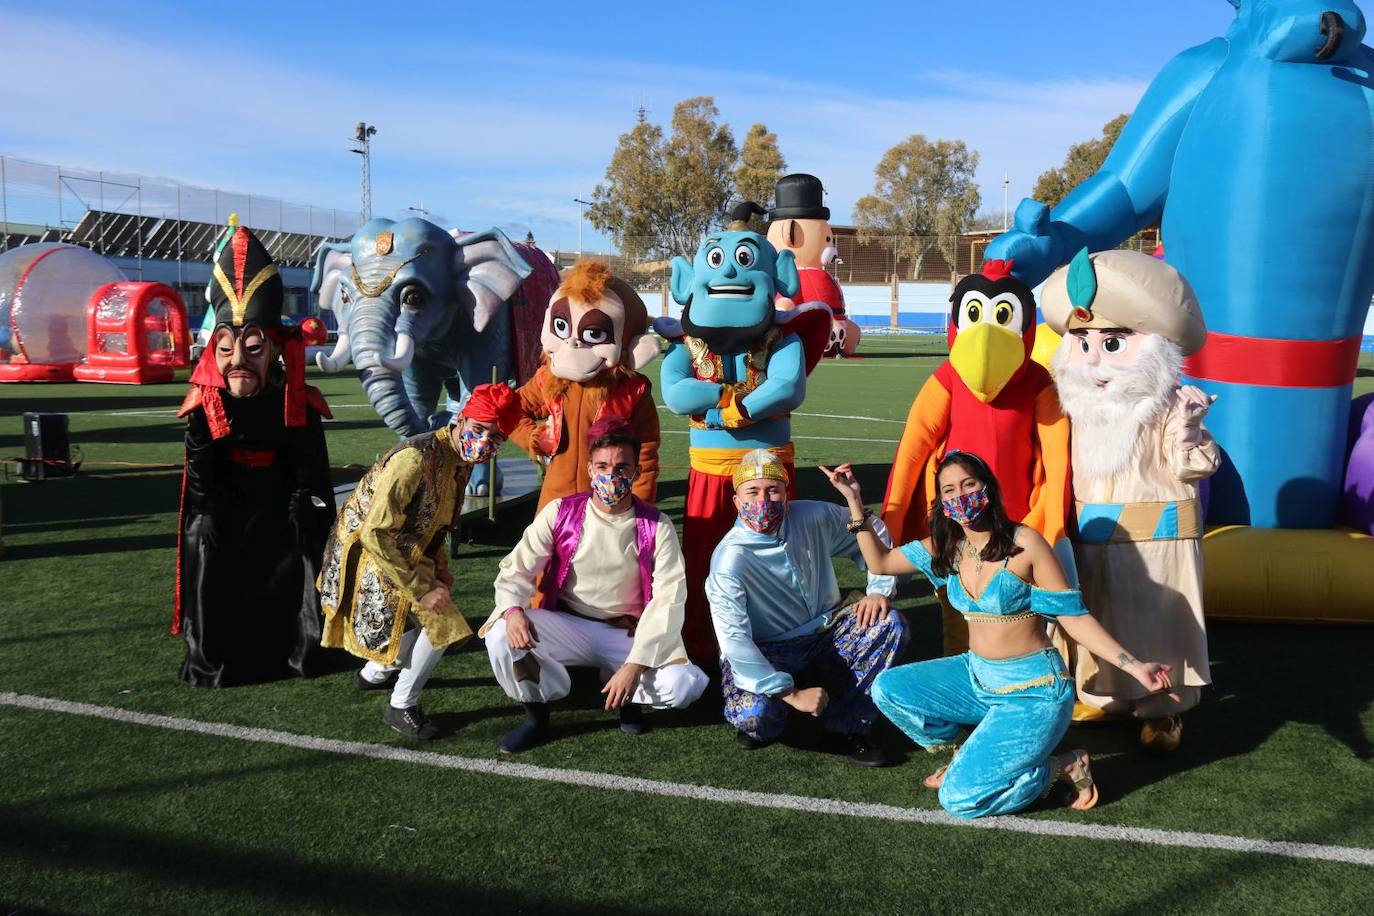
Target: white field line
(688,432)
(1350,855)
(830,416)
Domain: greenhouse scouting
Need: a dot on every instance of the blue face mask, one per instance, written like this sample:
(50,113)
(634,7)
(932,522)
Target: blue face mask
(966,507)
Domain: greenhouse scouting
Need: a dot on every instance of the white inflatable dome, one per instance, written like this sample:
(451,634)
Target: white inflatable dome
(44,290)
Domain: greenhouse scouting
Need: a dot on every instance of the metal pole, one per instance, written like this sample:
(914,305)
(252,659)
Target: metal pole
(580,204)
(139,184)
(491,484)
(4,209)
(181,251)
(1006,200)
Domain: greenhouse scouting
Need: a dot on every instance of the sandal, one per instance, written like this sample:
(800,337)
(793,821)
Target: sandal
(937,779)
(1079,773)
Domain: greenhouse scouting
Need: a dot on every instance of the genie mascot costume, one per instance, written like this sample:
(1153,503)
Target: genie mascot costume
(1257,152)
(737,368)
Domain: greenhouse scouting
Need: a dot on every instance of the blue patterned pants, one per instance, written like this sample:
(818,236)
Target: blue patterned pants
(1019,709)
(844,659)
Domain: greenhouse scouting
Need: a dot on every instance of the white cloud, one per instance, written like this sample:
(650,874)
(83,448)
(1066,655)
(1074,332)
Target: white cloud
(514,150)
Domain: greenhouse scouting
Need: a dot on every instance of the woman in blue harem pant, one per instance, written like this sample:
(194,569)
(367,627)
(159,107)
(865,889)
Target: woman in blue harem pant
(1011,688)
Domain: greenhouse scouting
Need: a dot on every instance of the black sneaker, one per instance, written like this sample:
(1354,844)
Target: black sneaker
(858,750)
(632,719)
(412,722)
(385,683)
(746,742)
(526,735)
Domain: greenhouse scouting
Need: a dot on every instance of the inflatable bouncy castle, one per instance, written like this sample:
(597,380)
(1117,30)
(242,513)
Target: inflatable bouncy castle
(1255,153)
(136,334)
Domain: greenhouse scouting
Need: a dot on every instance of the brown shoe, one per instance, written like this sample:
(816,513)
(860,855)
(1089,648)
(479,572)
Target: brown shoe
(1162,735)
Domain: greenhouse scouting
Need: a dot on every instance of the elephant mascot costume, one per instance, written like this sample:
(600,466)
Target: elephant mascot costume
(422,313)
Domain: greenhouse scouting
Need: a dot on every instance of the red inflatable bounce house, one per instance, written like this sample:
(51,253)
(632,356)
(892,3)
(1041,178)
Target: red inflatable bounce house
(136,334)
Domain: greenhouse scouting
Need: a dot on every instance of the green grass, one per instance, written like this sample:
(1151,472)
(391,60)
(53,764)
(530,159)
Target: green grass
(104,817)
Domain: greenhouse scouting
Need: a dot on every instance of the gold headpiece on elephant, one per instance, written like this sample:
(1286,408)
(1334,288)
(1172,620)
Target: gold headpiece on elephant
(596,323)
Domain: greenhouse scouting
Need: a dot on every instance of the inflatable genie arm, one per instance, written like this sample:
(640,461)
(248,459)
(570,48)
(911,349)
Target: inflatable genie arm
(1128,192)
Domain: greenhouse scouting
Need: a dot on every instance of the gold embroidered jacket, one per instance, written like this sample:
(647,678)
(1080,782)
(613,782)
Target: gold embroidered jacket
(379,560)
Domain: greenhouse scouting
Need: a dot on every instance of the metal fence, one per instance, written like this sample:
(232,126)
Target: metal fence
(136,216)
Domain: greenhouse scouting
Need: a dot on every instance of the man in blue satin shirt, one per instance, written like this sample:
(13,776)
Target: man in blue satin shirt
(776,609)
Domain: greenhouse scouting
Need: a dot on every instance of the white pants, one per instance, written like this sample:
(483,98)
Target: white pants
(540,675)
(415,660)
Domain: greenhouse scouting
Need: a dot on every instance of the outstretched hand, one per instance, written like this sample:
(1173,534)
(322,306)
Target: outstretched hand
(1154,676)
(842,479)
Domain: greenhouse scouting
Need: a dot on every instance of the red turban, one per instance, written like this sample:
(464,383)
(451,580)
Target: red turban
(496,405)
(612,426)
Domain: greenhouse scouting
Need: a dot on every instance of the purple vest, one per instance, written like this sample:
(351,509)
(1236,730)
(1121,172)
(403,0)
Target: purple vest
(567,533)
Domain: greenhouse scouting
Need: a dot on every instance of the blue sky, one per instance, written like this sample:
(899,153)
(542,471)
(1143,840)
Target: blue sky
(499,113)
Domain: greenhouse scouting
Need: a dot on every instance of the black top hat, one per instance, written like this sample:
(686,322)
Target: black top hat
(798,196)
(245,287)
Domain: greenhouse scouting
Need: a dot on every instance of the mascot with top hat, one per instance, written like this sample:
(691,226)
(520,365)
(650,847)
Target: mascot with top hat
(800,223)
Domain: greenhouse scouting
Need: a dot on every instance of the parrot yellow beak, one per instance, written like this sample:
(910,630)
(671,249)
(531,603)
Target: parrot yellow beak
(986,356)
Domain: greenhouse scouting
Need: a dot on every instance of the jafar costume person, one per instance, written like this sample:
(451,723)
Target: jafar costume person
(257,502)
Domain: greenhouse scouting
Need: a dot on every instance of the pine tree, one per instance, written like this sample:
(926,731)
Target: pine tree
(662,195)
(924,194)
(761,165)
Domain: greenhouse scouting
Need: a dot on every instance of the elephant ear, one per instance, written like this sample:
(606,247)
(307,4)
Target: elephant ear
(332,261)
(488,270)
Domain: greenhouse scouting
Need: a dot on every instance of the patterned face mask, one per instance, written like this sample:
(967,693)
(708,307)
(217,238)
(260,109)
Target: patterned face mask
(965,507)
(476,447)
(762,515)
(610,489)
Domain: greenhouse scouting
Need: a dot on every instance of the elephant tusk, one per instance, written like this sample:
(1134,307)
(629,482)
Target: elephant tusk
(405,352)
(333,362)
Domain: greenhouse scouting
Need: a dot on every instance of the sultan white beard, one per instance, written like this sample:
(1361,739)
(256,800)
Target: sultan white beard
(1110,420)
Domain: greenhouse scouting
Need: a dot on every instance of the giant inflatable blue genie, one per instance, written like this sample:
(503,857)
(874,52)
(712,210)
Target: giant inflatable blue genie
(1256,151)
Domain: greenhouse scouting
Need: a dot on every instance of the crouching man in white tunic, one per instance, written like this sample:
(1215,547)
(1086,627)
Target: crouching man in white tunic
(614,590)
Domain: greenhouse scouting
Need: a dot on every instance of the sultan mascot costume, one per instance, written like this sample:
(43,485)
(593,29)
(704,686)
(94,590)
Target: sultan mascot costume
(992,399)
(1255,154)
(1140,454)
(737,369)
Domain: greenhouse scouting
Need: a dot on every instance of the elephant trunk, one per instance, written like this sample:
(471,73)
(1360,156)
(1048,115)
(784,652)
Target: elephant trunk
(372,338)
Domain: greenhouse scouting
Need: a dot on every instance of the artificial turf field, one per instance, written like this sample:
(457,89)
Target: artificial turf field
(106,816)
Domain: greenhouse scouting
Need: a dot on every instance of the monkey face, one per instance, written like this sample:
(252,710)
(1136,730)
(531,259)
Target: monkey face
(581,339)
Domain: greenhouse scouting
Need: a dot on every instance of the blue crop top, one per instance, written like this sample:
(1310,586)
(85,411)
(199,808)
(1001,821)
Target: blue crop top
(1006,594)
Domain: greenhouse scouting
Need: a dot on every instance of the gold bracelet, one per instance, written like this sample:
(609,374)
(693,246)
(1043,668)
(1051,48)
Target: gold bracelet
(855,526)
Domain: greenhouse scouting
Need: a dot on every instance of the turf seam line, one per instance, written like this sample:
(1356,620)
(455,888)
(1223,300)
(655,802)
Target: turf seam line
(1350,855)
